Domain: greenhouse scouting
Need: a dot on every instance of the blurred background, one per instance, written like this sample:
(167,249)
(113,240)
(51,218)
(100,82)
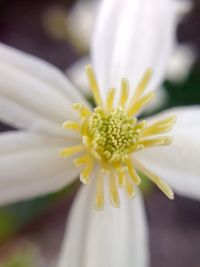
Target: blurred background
(31,232)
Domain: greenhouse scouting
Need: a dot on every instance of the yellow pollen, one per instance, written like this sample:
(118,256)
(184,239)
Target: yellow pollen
(111,135)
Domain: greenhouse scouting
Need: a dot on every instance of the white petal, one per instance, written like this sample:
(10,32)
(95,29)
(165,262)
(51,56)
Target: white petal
(112,237)
(30,166)
(33,94)
(179,163)
(130,36)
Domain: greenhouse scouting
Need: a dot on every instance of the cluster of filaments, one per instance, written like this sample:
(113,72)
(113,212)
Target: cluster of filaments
(111,134)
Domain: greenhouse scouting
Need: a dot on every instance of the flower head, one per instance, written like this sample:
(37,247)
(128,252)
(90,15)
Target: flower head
(142,35)
(111,134)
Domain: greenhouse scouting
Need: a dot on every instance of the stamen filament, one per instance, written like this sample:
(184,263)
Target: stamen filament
(140,103)
(110,99)
(69,151)
(110,134)
(124,92)
(142,85)
(161,126)
(83,110)
(99,199)
(132,172)
(82,160)
(121,178)
(130,188)
(71,125)
(114,196)
(85,174)
(94,85)
(157,180)
(160,141)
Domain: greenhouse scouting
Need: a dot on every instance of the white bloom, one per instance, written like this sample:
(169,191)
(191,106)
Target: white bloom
(37,98)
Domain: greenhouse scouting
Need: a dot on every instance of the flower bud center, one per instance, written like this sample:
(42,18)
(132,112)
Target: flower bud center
(112,134)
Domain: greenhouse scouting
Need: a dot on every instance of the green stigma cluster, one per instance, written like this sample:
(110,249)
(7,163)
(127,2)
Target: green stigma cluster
(112,134)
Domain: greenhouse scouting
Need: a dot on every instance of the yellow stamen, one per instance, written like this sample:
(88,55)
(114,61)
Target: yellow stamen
(161,126)
(136,148)
(93,85)
(110,99)
(71,125)
(130,188)
(86,173)
(160,141)
(83,110)
(140,103)
(109,137)
(157,180)
(69,151)
(124,92)
(142,85)
(132,172)
(114,196)
(99,199)
(82,160)
(121,178)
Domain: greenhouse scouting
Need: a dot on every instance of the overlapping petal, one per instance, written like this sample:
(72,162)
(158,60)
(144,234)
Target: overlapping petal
(34,94)
(30,166)
(178,164)
(131,36)
(113,237)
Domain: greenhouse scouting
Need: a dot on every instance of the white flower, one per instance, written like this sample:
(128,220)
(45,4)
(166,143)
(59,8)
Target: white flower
(37,98)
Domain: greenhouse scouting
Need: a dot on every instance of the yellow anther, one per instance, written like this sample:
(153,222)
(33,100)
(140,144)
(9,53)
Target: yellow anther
(66,152)
(110,99)
(121,179)
(93,85)
(99,199)
(142,85)
(86,173)
(114,196)
(110,135)
(71,125)
(140,103)
(133,173)
(161,126)
(83,110)
(130,188)
(82,160)
(157,180)
(124,92)
(160,141)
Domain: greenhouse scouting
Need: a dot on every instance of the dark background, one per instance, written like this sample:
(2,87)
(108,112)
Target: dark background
(174,225)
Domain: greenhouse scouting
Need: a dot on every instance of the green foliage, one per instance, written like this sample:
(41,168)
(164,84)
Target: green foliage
(186,93)
(15,216)
(25,258)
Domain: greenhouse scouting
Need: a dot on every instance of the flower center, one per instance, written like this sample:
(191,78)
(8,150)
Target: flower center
(110,136)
